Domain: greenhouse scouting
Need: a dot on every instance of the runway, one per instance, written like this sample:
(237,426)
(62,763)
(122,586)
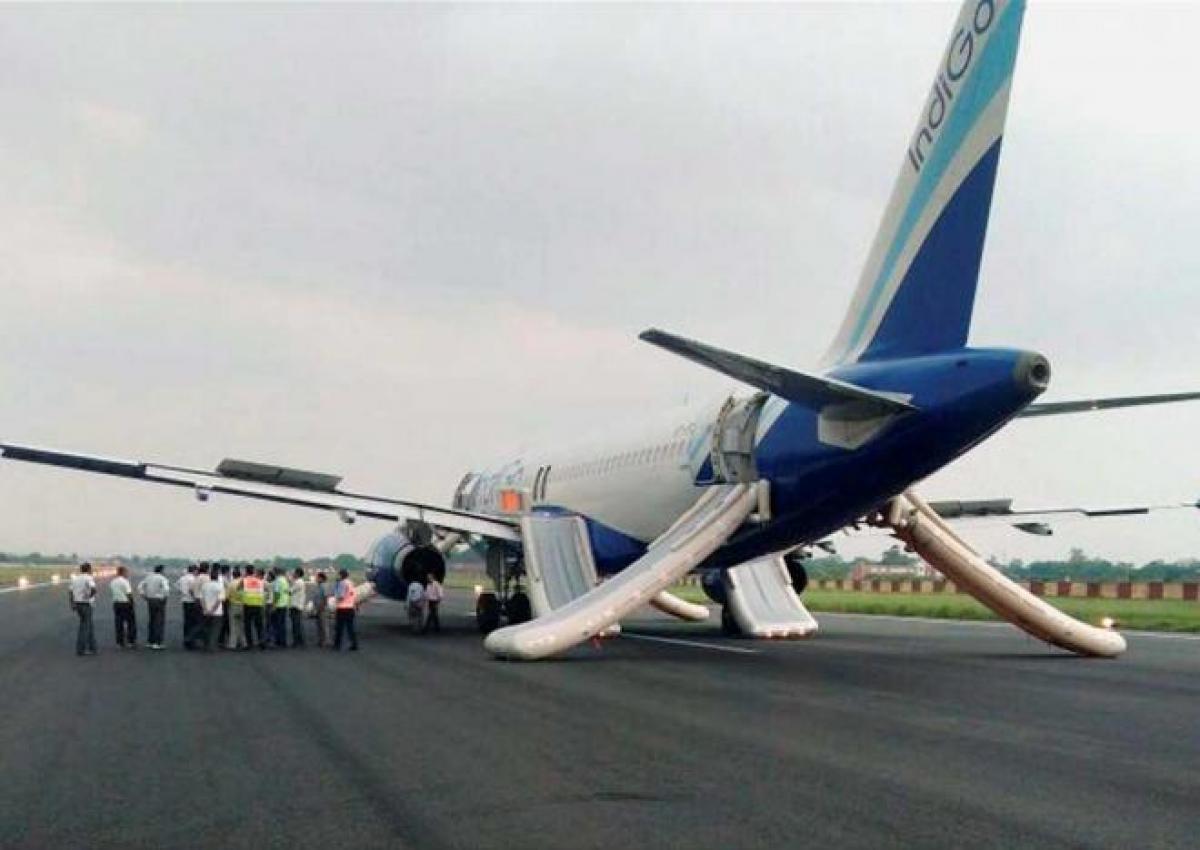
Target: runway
(878,732)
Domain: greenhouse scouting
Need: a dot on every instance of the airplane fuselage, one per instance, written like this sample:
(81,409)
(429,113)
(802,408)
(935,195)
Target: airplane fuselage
(824,468)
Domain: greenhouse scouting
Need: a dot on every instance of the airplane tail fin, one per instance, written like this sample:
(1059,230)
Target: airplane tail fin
(918,286)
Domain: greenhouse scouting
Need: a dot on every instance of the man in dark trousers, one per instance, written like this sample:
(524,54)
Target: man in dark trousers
(83,597)
(320,600)
(123,614)
(226,579)
(296,605)
(154,589)
(433,600)
(191,608)
(254,587)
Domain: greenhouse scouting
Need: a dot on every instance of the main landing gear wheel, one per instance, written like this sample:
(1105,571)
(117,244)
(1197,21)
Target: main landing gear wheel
(797,573)
(518,608)
(487,613)
(729,625)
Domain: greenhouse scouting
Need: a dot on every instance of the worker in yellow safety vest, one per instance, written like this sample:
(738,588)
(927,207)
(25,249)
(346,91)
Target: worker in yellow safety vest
(253,594)
(345,597)
(281,596)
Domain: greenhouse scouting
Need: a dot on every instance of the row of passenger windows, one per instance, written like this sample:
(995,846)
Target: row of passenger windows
(644,457)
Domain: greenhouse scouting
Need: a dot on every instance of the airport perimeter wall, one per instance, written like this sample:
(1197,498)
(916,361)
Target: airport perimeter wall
(1186,591)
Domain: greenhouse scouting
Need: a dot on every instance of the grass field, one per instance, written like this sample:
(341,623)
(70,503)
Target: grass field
(10,574)
(1159,615)
(1151,615)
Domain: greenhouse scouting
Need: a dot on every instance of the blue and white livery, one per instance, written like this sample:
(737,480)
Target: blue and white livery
(728,489)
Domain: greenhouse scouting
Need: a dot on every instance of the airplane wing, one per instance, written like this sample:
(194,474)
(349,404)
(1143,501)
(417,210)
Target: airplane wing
(1056,408)
(1036,521)
(266,482)
(1002,509)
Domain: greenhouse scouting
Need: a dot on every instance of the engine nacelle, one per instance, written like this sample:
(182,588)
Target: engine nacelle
(397,559)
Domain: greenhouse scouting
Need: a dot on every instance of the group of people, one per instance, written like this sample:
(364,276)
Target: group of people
(423,601)
(223,606)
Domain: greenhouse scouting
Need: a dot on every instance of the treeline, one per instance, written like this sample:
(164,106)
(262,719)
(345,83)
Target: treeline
(37,558)
(285,562)
(1078,566)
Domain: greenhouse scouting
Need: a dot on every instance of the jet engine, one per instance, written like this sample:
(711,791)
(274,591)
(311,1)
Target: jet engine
(405,555)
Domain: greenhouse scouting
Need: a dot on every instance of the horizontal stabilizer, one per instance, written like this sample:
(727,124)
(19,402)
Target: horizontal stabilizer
(812,391)
(1055,408)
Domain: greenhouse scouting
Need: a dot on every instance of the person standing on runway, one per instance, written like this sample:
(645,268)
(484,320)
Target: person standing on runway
(124,617)
(296,606)
(281,597)
(433,600)
(225,579)
(235,637)
(83,597)
(344,597)
(269,606)
(154,589)
(212,597)
(187,599)
(320,597)
(253,602)
(199,633)
(416,606)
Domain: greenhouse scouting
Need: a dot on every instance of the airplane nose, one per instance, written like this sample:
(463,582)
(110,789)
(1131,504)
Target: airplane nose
(1033,373)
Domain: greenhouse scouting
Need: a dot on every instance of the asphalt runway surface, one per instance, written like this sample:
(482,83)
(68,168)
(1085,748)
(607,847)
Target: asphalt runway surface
(876,733)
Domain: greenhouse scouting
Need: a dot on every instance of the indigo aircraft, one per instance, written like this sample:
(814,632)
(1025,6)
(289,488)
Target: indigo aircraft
(577,538)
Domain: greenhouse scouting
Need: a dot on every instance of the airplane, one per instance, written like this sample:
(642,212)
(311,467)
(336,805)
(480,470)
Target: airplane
(738,491)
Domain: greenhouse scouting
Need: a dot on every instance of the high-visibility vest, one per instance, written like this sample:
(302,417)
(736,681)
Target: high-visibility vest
(252,591)
(283,593)
(348,597)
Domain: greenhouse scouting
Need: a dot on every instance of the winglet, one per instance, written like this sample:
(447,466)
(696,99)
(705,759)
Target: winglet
(813,391)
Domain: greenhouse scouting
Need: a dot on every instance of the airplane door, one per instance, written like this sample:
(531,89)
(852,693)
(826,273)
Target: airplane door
(733,440)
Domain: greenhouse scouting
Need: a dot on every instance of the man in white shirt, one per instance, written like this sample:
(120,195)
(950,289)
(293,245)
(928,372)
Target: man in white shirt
(123,614)
(296,607)
(416,605)
(199,633)
(433,599)
(83,596)
(191,609)
(154,589)
(212,598)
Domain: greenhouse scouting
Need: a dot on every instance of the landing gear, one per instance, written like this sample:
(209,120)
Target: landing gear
(487,613)
(794,561)
(518,608)
(508,602)
(729,625)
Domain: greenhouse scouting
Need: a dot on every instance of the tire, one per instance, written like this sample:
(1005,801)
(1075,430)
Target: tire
(487,613)
(518,609)
(729,625)
(798,574)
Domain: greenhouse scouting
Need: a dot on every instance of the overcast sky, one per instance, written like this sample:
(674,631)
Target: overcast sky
(392,242)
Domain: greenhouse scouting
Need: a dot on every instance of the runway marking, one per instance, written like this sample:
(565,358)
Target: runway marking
(741,650)
(17,588)
(991,624)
